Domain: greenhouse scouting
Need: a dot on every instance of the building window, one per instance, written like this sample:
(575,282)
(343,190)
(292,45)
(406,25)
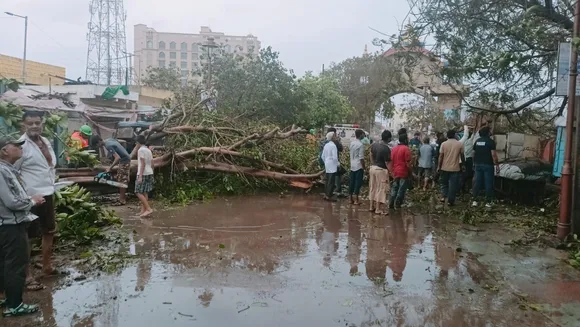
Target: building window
(173,55)
(184,55)
(184,65)
(194,56)
(161,63)
(194,48)
(172,45)
(149,44)
(172,64)
(161,55)
(184,73)
(161,45)
(183,46)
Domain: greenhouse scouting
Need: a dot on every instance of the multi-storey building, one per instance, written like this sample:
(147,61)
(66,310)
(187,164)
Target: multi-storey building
(184,51)
(37,73)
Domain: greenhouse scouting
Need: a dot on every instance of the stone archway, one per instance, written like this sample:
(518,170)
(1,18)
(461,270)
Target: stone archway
(417,70)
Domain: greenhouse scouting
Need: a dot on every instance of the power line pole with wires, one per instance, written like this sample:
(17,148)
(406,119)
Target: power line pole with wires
(106,59)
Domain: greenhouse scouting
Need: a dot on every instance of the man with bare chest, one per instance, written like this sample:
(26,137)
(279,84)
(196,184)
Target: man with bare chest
(37,168)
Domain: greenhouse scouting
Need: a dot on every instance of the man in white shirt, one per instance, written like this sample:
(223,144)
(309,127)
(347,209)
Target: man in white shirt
(330,158)
(145,180)
(37,168)
(357,164)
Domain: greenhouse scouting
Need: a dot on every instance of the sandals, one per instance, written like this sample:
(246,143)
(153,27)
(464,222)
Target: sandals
(21,310)
(33,286)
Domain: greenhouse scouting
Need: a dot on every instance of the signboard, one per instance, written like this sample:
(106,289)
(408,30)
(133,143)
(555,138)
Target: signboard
(563,73)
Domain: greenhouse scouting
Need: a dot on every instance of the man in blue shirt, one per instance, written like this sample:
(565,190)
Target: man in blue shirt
(119,155)
(484,159)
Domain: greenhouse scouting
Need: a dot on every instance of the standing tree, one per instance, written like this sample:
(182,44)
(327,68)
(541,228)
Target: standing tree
(322,102)
(259,86)
(362,80)
(162,78)
(506,49)
(420,114)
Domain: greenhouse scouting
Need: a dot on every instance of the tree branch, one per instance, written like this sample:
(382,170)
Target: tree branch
(510,111)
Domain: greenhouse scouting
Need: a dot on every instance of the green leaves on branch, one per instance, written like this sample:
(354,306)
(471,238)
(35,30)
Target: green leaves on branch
(322,102)
(502,48)
(80,220)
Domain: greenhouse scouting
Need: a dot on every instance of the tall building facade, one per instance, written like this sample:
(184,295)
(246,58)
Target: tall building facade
(37,73)
(183,51)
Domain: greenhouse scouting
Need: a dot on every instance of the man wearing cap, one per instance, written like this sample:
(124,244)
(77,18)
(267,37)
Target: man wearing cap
(37,168)
(15,206)
(80,138)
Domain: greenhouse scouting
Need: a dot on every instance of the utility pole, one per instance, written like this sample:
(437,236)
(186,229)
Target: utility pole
(564,221)
(25,41)
(107,42)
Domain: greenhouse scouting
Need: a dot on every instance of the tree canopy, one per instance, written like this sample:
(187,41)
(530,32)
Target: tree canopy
(162,78)
(506,49)
(363,80)
(258,87)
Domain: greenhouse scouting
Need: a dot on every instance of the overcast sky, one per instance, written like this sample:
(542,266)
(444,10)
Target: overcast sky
(307,33)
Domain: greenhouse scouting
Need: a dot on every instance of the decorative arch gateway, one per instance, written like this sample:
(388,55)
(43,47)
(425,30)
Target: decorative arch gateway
(418,70)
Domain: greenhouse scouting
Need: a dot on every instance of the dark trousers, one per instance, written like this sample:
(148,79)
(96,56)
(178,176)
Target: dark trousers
(398,191)
(467,182)
(330,184)
(450,185)
(338,181)
(13,261)
(484,175)
(356,181)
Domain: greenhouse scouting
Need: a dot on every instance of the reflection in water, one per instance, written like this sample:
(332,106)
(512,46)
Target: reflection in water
(267,258)
(377,251)
(353,251)
(398,245)
(206,297)
(331,227)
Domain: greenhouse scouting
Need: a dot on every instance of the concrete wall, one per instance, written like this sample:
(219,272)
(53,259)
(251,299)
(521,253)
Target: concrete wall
(36,72)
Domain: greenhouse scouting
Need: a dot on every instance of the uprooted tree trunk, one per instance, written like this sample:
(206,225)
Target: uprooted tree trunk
(222,154)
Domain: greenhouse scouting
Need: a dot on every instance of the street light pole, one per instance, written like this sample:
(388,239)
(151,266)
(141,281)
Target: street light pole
(25,39)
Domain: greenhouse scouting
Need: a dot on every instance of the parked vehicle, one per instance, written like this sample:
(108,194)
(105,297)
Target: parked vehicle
(125,133)
(346,132)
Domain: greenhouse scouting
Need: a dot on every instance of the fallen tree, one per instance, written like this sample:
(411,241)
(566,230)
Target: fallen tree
(201,141)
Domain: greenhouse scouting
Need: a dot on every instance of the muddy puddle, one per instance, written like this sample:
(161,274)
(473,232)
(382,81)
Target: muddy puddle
(292,261)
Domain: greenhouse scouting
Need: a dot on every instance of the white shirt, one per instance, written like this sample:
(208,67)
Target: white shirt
(147,155)
(330,157)
(38,176)
(357,153)
(468,142)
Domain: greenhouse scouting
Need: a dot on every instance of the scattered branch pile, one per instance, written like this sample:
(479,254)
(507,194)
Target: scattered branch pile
(198,140)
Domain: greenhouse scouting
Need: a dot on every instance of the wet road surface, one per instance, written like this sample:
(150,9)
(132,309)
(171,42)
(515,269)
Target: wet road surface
(298,261)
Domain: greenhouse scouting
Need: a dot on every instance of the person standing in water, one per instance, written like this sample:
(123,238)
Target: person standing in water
(357,164)
(145,180)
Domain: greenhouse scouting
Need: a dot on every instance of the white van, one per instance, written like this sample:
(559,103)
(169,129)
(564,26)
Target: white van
(346,132)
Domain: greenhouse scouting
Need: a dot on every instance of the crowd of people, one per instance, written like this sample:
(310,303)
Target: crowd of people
(27,206)
(457,162)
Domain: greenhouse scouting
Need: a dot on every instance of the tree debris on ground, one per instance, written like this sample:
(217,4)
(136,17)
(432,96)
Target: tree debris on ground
(197,140)
(81,221)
